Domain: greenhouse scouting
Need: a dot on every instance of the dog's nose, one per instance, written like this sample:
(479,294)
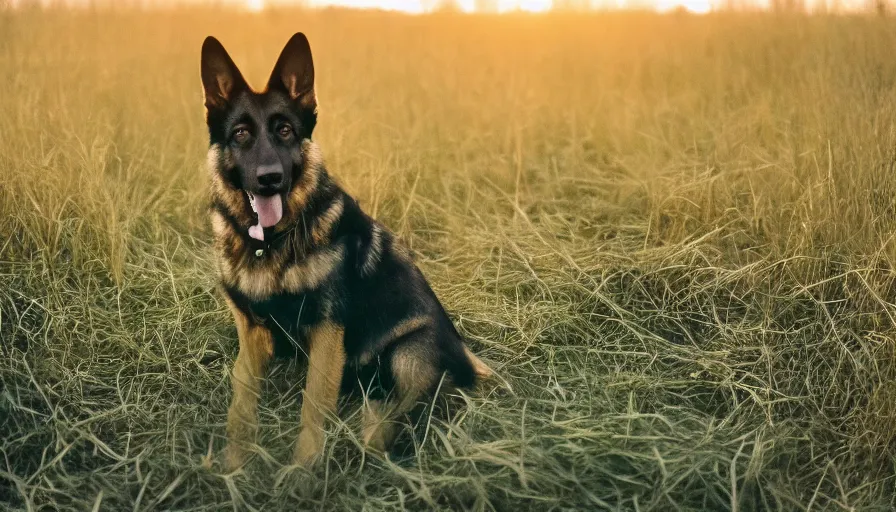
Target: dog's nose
(270,175)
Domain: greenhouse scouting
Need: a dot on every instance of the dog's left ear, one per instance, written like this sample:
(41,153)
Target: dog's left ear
(294,73)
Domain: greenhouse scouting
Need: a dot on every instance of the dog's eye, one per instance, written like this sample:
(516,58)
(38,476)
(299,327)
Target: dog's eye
(241,135)
(285,131)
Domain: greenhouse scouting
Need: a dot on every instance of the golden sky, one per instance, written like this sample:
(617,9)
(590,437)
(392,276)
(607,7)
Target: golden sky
(419,6)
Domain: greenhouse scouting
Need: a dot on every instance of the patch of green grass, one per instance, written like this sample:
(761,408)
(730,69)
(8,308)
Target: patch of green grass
(672,236)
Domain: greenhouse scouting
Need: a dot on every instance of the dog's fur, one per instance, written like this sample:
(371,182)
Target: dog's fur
(326,280)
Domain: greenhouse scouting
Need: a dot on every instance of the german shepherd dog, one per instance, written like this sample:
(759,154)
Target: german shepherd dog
(304,270)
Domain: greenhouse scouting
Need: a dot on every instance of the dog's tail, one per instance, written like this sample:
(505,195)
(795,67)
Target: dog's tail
(480,369)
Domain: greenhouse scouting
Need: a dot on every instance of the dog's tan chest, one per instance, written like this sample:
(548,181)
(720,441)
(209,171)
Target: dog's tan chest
(260,280)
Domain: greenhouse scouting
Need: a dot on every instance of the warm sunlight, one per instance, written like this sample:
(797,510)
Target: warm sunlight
(524,5)
(492,6)
(420,6)
(408,6)
(695,6)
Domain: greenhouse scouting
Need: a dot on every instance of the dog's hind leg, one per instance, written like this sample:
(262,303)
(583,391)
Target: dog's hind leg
(326,363)
(415,375)
(256,349)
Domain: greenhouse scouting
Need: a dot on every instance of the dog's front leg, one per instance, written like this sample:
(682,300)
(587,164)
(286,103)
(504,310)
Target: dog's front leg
(256,349)
(326,363)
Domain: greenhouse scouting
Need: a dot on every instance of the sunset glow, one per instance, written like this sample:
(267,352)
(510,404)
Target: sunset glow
(695,6)
(482,6)
(524,5)
(501,6)
(408,6)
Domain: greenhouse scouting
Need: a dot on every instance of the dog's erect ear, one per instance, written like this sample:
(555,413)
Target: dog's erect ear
(294,72)
(220,77)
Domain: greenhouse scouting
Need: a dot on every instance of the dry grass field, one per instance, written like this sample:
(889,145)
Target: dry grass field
(672,235)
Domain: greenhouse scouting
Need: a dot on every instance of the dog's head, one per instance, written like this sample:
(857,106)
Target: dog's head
(257,138)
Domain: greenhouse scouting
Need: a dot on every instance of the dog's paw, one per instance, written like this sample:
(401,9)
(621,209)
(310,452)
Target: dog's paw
(309,447)
(377,437)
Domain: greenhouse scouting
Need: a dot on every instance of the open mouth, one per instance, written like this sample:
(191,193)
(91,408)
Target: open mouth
(269,210)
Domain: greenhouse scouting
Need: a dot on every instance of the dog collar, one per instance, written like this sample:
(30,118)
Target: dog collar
(261,247)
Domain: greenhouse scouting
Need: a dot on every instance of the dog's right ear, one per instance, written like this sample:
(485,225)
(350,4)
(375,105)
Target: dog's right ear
(220,77)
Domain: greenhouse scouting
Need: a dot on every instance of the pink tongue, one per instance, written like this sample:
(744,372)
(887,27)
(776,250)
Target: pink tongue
(256,232)
(270,211)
